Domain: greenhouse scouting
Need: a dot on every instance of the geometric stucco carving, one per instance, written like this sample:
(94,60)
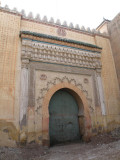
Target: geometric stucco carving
(55,81)
(37,51)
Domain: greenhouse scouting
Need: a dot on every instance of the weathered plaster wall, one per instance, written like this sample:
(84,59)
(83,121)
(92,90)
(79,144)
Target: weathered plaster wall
(110,84)
(10,68)
(114,31)
(103,28)
(109,77)
(9,78)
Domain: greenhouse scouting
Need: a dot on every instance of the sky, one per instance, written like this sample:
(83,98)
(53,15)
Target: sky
(88,13)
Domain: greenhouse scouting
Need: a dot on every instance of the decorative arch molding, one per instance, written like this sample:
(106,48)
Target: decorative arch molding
(56,81)
(45,110)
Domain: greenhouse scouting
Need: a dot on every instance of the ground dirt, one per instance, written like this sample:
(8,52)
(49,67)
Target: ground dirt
(101,147)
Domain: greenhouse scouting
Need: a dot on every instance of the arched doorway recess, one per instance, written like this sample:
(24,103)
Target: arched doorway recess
(84,120)
(63,118)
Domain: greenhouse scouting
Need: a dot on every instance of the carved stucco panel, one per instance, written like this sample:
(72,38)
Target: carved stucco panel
(50,79)
(43,52)
(53,78)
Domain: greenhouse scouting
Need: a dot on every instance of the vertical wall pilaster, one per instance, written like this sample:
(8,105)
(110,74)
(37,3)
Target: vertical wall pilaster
(101,94)
(96,92)
(24,100)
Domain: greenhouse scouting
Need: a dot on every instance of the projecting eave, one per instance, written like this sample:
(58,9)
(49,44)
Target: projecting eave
(59,40)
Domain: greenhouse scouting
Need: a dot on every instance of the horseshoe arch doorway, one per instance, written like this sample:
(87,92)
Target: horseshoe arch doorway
(65,117)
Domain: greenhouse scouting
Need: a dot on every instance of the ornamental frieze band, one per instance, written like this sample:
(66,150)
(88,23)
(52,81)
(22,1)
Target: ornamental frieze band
(40,51)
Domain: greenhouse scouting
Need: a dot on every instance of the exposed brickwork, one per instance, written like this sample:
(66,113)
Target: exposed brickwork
(9,43)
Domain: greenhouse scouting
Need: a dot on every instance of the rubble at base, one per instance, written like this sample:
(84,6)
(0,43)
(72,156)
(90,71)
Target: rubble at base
(100,142)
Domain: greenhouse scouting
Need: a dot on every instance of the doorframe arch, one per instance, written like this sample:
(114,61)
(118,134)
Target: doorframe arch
(45,111)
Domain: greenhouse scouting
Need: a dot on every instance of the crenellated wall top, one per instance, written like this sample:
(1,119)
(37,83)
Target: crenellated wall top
(52,22)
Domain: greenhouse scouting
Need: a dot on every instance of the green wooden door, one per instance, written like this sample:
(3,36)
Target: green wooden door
(63,122)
